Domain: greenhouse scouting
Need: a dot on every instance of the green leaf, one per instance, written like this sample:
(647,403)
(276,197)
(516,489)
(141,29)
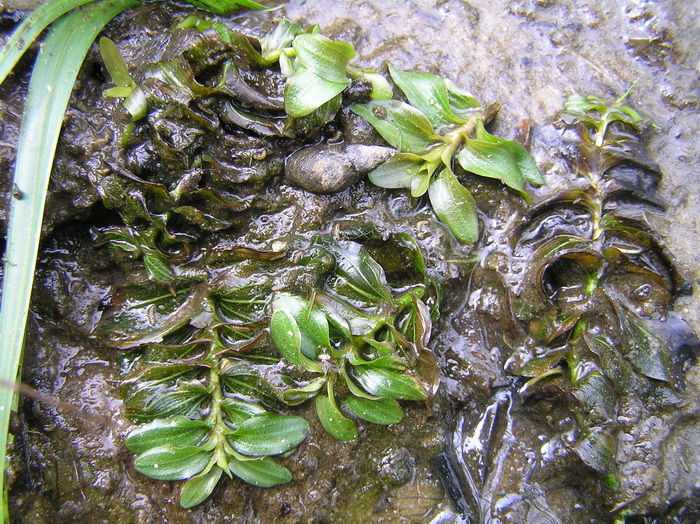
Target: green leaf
(156,266)
(382,411)
(381,89)
(298,395)
(116,67)
(225,7)
(170,463)
(397,172)
(263,472)
(311,322)
(401,125)
(646,350)
(237,411)
(197,489)
(420,183)
(333,421)
(269,434)
(324,58)
(286,336)
(52,81)
(305,92)
(361,270)
(272,44)
(454,206)
(179,432)
(461,100)
(427,93)
(384,382)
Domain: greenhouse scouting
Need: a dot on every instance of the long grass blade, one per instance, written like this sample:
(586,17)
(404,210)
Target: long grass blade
(30,29)
(50,87)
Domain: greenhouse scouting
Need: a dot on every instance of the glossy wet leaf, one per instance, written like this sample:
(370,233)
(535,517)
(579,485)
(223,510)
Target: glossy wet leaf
(170,463)
(646,350)
(297,395)
(597,398)
(615,366)
(156,266)
(237,411)
(597,450)
(225,7)
(461,100)
(324,58)
(311,322)
(149,404)
(179,432)
(305,92)
(333,421)
(269,434)
(198,488)
(454,206)
(397,172)
(384,382)
(382,411)
(263,472)
(401,125)
(427,93)
(272,44)
(361,270)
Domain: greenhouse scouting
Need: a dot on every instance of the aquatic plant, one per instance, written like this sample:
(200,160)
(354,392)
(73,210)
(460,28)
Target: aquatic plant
(442,122)
(598,285)
(204,379)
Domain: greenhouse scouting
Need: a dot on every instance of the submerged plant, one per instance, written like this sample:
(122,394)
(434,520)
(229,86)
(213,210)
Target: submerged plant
(205,383)
(598,286)
(442,122)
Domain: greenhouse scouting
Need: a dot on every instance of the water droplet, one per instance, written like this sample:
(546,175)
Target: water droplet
(642,292)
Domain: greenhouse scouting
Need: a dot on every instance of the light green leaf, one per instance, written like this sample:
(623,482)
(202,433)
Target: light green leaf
(269,434)
(397,172)
(523,160)
(156,266)
(225,7)
(382,411)
(179,432)
(170,463)
(401,125)
(116,67)
(272,44)
(325,58)
(286,336)
(305,92)
(419,183)
(297,395)
(381,89)
(461,100)
(197,489)
(427,93)
(454,206)
(334,422)
(384,382)
(263,472)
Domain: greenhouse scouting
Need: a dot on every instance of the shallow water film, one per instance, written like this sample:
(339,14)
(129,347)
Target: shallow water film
(224,291)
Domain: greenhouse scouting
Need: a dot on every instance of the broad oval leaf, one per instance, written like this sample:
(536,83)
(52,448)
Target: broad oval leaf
(179,432)
(427,93)
(381,411)
(170,463)
(397,172)
(197,489)
(326,59)
(263,472)
(304,92)
(314,330)
(269,434)
(286,336)
(401,125)
(384,382)
(454,206)
(237,411)
(333,421)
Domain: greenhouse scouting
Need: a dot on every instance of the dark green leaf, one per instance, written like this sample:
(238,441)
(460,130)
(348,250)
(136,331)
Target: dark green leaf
(311,322)
(263,472)
(597,450)
(286,336)
(159,403)
(297,395)
(225,7)
(646,350)
(326,59)
(384,382)
(238,411)
(333,421)
(361,270)
(156,266)
(401,125)
(198,488)
(397,172)
(427,93)
(382,411)
(179,432)
(170,463)
(454,206)
(269,434)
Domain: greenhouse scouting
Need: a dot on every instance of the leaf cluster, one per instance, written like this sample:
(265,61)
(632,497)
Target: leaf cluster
(442,122)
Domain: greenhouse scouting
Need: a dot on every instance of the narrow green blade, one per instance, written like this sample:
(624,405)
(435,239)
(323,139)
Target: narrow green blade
(28,30)
(52,81)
